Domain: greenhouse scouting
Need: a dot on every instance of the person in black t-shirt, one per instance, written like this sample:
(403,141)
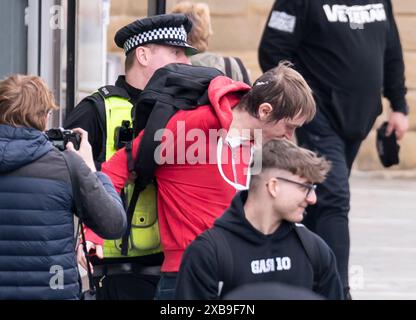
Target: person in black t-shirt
(349,52)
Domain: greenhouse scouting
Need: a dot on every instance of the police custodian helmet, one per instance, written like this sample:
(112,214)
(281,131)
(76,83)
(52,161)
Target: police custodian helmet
(165,29)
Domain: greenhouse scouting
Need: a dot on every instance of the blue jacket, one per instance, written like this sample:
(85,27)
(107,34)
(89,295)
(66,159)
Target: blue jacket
(37,257)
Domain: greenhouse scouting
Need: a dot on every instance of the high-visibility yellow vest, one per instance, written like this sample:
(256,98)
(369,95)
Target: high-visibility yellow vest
(144,236)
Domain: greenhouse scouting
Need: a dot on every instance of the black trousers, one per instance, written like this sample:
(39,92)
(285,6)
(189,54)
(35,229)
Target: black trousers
(134,284)
(329,217)
(129,286)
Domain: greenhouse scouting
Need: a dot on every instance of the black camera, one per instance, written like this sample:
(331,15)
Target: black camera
(60,137)
(123,134)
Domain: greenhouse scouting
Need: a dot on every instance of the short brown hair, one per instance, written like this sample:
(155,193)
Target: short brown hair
(201,30)
(128,63)
(287,92)
(25,101)
(285,155)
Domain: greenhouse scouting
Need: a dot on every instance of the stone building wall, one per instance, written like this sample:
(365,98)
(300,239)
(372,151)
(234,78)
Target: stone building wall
(238,25)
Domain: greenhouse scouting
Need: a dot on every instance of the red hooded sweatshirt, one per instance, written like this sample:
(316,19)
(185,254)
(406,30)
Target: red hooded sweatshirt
(190,195)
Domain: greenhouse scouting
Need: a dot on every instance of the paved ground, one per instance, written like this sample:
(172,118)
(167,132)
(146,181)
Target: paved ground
(383,237)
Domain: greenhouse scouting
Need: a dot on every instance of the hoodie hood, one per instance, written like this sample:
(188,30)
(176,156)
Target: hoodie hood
(234,220)
(21,146)
(224,94)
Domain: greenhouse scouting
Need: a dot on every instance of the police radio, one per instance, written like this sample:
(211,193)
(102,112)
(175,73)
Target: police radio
(123,134)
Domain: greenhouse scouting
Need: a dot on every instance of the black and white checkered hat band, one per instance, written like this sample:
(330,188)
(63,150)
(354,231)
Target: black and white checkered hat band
(170,33)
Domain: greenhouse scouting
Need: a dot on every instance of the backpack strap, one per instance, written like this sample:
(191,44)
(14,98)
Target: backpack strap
(113,91)
(243,70)
(72,167)
(312,251)
(128,207)
(227,67)
(225,259)
(129,215)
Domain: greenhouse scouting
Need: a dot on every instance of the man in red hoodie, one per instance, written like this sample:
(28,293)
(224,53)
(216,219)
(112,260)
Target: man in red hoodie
(192,194)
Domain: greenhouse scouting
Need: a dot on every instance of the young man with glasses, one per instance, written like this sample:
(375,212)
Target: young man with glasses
(261,232)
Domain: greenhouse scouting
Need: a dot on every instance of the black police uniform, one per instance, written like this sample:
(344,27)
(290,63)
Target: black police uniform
(130,277)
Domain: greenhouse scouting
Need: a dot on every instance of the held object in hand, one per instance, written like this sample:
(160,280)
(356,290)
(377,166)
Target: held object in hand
(60,137)
(387,147)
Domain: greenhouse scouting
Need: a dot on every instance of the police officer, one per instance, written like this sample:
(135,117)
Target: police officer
(149,44)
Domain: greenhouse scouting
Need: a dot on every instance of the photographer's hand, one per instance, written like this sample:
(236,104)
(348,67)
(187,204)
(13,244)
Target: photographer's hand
(85,150)
(90,246)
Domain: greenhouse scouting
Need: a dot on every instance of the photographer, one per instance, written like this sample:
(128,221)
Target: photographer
(37,257)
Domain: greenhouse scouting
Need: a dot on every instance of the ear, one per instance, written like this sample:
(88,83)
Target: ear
(265,110)
(273,187)
(142,55)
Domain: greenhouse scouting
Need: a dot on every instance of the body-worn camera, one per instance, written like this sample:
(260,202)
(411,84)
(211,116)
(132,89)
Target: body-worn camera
(122,135)
(60,137)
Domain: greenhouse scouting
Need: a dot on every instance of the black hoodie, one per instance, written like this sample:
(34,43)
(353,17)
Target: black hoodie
(349,52)
(278,257)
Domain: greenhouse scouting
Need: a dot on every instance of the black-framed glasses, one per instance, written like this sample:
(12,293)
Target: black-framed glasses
(307,186)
